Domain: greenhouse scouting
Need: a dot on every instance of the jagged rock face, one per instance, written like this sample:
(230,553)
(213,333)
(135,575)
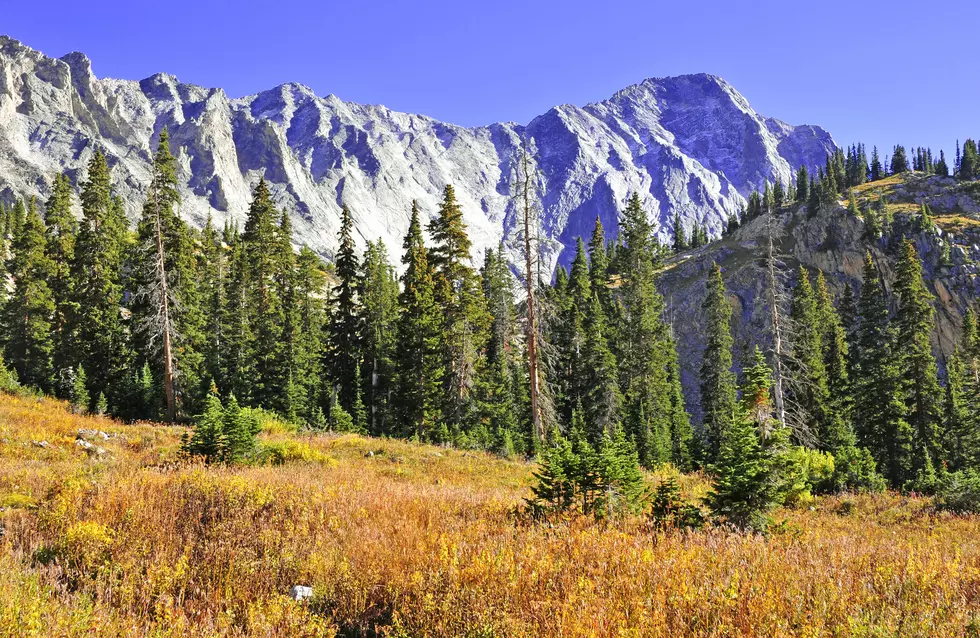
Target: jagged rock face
(689,144)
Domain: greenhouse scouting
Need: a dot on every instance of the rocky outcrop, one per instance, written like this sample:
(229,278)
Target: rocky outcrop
(831,241)
(690,145)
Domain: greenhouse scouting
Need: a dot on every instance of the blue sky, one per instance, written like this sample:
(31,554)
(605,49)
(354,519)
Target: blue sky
(872,71)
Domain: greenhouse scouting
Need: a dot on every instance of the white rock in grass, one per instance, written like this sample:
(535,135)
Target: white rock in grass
(300,592)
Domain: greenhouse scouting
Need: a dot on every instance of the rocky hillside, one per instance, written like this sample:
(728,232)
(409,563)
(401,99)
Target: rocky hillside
(689,144)
(833,241)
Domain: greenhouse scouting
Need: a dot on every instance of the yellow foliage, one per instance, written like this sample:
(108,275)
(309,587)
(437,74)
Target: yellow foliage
(411,540)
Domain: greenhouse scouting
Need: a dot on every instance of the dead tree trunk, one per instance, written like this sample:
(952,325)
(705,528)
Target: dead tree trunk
(165,322)
(777,337)
(530,283)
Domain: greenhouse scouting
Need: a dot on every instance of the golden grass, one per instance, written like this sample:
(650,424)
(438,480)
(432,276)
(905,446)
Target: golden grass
(417,540)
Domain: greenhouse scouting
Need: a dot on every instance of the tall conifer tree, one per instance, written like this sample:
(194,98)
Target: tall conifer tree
(61,232)
(29,311)
(718,385)
(344,354)
(101,340)
(379,319)
(418,357)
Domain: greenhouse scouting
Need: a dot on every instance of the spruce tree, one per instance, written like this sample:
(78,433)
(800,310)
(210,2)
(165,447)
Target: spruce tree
(311,284)
(466,319)
(379,317)
(959,428)
(29,311)
(680,240)
(802,185)
(746,488)
(419,370)
(807,373)
(970,161)
(61,232)
(899,160)
(79,398)
(344,354)
(879,409)
(601,399)
(837,429)
(238,365)
(213,277)
(718,389)
(239,431)
(167,319)
(261,302)
(915,322)
(572,334)
(498,410)
(599,265)
(207,439)
(101,341)
(287,399)
(644,341)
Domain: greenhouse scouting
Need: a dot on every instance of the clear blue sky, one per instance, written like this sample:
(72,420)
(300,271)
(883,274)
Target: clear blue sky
(872,71)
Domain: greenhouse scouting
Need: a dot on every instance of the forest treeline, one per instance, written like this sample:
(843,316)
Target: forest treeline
(168,322)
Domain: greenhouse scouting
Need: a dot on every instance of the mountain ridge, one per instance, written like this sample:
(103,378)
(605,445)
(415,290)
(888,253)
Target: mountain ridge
(691,144)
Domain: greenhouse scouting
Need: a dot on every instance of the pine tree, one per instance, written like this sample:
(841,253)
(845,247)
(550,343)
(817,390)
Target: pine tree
(465,317)
(207,439)
(166,310)
(238,365)
(61,231)
(970,161)
(644,341)
(29,312)
(718,390)
(344,355)
(287,397)
(379,317)
(680,240)
(96,271)
(601,398)
(311,284)
(877,171)
(239,432)
(802,185)
(419,367)
(599,265)
(746,488)
(213,288)
(880,410)
(899,160)
(915,322)
(261,302)
(807,374)
(80,399)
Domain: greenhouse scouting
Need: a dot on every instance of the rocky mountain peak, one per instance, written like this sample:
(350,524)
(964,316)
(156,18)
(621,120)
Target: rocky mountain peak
(689,144)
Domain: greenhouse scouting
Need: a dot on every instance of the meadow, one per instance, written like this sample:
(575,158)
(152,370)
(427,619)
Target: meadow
(401,539)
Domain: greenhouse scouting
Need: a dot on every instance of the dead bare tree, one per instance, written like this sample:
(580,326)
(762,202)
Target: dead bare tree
(777,327)
(157,294)
(524,191)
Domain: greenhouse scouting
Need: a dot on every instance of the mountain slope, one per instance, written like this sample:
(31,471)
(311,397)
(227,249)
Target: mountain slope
(832,241)
(689,144)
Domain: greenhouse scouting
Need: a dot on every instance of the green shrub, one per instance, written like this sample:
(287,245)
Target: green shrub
(810,472)
(959,492)
(669,510)
(855,470)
